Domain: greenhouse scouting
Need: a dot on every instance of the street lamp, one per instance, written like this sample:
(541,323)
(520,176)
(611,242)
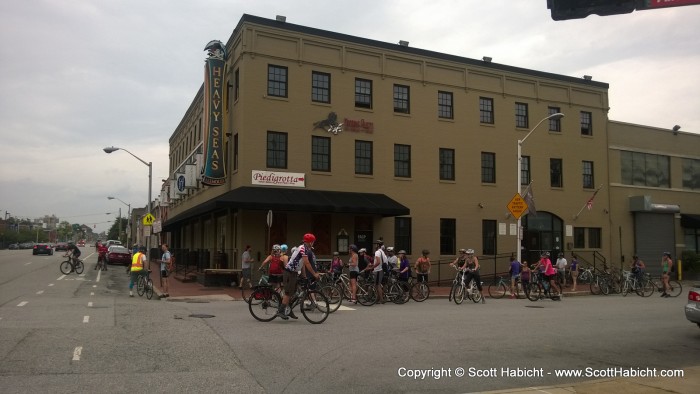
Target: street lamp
(150,176)
(555,116)
(128,218)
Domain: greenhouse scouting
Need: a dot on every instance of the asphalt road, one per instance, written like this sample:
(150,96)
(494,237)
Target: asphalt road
(131,344)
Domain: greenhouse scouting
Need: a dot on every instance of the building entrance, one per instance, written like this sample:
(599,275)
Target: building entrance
(542,233)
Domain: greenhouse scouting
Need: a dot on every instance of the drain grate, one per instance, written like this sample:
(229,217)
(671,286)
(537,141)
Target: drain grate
(202,315)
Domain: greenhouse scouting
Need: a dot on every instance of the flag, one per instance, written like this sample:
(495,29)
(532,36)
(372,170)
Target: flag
(530,200)
(589,204)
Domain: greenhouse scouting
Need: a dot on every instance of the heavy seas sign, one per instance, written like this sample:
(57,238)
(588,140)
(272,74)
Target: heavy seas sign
(214,172)
(269,178)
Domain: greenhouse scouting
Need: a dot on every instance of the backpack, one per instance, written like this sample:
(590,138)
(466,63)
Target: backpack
(385,262)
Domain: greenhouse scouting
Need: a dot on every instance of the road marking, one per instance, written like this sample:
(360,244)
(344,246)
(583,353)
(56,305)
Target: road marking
(23,303)
(345,308)
(50,284)
(61,277)
(98,275)
(40,292)
(89,304)
(92,293)
(86,319)
(76,353)
(27,263)
(94,285)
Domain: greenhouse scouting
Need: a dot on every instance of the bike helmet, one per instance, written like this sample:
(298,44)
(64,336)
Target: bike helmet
(276,248)
(470,251)
(462,250)
(309,238)
(390,249)
(402,251)
(353,247)
(284,248)
(363,250)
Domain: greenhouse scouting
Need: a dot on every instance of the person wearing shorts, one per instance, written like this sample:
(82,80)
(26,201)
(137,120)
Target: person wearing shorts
(422,266)
(165,268)
(276,266)
(246,262)
(353,272)
(299,259)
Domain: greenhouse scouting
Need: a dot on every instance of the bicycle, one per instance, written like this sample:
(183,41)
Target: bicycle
(265,302)
(392,289)
(101,263)
(264,281)
(643,288)
(468,290)
(538,286)
(365,292)
(499,288)
(72,265)
(144,284)
(419,290)
(328,287)
(675,287)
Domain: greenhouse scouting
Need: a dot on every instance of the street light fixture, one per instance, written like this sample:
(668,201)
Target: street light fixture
(555,116)
(128,218)
(150,176)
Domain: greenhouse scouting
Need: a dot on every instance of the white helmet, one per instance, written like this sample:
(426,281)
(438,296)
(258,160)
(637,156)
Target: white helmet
(470,251)
(276,248)
(390,249)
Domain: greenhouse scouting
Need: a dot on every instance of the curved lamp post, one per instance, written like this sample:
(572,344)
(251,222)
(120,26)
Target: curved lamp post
(557,115)
(128,218)
(150,176)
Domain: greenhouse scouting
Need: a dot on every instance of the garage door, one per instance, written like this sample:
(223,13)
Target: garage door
(653,235)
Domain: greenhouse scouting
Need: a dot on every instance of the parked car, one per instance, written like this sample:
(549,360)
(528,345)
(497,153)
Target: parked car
(113,242)
(26,245)
(61,246)
(13,246)
(81,244)
(692,308)
(117,254)
(42,249)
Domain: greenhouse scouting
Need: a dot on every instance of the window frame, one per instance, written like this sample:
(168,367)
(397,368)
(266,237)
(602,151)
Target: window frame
(318,91)
(488,167)
(446,167)
(445,111)
(586,123)
(554,124)
(402,165)
(489,237)
(366,147)
(588,174)
(522,118)
(277,82)
(363,89)
(486,111)
(269,157)
(552,173)
(525,170)
(402,99)
(318,157)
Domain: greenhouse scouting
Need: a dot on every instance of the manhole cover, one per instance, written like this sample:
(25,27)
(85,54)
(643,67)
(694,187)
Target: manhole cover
(201,315)
(533,306)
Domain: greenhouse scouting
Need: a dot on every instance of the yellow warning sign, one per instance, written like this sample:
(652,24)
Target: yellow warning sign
(148,220)
(517,206)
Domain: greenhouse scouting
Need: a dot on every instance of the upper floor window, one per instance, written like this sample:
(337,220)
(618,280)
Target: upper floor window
(586,123)
(447,164)
(363,157)
(489,235)
(691,174)
(402,102)
(402,161)
(486,110)
(521,116)
(236,84)
(276,81)
(320,153)
(320,87)
(525,170)
(645,169)
(488,167)
(588,180)
(556,173)
(554,124)
(445,108)
(276,149)
(363,93)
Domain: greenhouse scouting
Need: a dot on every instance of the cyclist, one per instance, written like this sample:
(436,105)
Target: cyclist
(404,266)
(473,272)
(299,259)
(276,265)
(422,266)
(73,252)
(136,269)
(637,268)
(353,272)
(460,263)
(102,256)
(666,267)
(377,269)
(550,274)
(166,265)
(336,266)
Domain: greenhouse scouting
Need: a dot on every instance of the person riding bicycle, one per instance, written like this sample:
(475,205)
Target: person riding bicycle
(136,269)
(299,259)
(473,272)
(101,256)
(550,274)
(422,266)
(73,252)
(460,263)
(276,265)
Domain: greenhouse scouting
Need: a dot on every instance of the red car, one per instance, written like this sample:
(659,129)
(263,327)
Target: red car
(117,254)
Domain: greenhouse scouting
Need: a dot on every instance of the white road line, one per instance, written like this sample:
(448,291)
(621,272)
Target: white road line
(98,275)
(345,308)
(23,303)
(92,293)
(90,304)
(86,319)
(40,292)
(27,263)
(61,277)
(50,284)
(76,353)
(94,285)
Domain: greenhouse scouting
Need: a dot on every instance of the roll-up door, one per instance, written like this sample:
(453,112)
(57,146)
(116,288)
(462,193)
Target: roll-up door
(653,235)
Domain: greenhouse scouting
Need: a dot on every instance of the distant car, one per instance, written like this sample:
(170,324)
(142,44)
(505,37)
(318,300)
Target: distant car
(113,242)
(692,308)
(61,246)
(81,244)
(26,245)
(117,254)
(13,246)
(42,249)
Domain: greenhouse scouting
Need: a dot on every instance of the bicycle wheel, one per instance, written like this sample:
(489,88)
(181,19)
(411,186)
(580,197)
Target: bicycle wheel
(458,295)
(264,303)
(646,288)
(79,267)
(66,267)
(315,307)
(533,292)
(605,286)
(452,292)
(334,296)
(625,289)
(420,292)
(595,286)
(140,286)
(476,294)
(676,288)
(406,288)
(396,293)
(149,288)
(366,295)
(497,290)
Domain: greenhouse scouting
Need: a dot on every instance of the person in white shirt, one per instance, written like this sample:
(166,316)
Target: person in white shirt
(561,269)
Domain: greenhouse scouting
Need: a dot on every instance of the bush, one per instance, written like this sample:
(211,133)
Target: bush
(691,261)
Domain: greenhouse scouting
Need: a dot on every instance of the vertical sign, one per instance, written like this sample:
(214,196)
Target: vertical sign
(214,172)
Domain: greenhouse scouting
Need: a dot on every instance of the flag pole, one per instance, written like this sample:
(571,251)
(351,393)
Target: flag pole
(587,201)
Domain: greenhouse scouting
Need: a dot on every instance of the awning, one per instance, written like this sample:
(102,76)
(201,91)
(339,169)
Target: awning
(297,200)
(690,221)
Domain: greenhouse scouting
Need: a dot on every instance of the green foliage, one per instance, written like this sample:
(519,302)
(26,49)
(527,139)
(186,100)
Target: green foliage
(691,261)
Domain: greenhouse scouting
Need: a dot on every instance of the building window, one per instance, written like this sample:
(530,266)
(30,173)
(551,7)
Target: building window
(402,161)
(276,149)
(691,174)
(554,124)
(445,108)
(236,85)
(363,93)
(691,237)
(276,81)
(448,237)
(586,123)
(488,167)
(447,164)
(402,234)
(320,153)
(363,157)
(320,87)
(235,152)
(486,110)
(579,237)
(402,99)
(525,170)
(488,236)
(588,179)
(644,169)
(556,173)
(521,116)
(594,238)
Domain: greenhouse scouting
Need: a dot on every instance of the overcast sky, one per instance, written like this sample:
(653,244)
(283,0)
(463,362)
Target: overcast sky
(79,75)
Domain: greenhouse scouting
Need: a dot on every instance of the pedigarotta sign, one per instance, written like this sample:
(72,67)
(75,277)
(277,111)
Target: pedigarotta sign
(269,178)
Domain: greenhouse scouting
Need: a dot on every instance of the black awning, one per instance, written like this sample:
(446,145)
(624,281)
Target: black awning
(297,200)
(690,221)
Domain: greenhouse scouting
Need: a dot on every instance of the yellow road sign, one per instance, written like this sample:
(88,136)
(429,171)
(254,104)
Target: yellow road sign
(517,206)
(148,220)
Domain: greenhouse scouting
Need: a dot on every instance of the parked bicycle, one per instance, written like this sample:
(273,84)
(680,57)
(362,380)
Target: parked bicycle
(500,287)
(72,265)
(631,282)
